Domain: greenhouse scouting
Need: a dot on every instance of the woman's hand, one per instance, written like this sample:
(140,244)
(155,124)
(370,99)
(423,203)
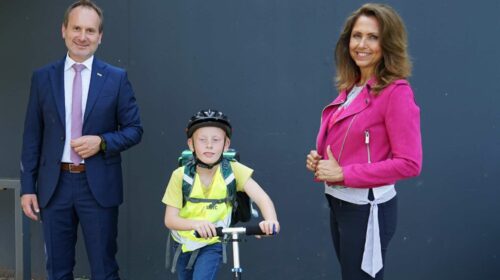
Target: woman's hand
(329,170)
(312,160)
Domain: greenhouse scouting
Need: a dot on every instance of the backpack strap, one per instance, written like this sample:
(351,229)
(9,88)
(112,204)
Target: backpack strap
(228,175)
(172,262)
(188,180)
(192,259)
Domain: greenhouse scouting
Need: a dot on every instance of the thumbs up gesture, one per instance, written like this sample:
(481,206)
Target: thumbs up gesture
(329,169)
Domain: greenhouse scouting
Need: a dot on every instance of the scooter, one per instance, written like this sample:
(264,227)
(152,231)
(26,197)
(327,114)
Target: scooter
(235,234)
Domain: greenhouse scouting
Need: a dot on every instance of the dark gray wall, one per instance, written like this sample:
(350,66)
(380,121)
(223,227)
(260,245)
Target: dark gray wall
(268,65)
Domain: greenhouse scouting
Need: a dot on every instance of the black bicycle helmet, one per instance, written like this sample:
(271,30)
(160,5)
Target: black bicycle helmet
(208,118)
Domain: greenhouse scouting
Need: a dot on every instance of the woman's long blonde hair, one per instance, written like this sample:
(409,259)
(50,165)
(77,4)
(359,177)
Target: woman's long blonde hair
(395,63)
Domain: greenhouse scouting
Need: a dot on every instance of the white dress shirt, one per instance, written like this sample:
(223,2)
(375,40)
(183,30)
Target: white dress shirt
(69,75)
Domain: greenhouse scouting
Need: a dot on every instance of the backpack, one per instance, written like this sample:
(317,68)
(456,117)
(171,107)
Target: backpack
(242,206)
(242,211)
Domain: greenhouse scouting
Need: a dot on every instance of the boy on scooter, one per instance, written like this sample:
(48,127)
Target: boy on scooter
(207,206)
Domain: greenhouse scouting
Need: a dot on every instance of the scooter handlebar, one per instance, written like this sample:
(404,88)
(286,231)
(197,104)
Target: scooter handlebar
(249,230)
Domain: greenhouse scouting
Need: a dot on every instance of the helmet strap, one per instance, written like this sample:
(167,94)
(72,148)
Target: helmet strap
(206,165)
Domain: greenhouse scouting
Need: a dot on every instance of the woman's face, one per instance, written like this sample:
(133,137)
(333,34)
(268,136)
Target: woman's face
(364,45)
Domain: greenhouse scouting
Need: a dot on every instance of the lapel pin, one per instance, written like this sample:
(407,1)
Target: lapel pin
(99,74)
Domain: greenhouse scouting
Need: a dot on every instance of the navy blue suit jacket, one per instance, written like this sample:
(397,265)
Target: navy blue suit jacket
(111,112)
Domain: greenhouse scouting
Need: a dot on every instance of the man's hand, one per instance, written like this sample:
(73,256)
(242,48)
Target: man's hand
(329,170)
(86,146)
(29,203)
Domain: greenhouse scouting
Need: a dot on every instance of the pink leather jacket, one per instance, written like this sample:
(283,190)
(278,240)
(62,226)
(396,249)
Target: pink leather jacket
(376,139)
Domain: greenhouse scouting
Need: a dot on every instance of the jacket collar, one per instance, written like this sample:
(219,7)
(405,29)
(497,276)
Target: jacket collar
(342,97)
(359,104)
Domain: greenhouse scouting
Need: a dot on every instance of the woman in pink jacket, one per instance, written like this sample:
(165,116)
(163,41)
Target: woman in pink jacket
(369,138)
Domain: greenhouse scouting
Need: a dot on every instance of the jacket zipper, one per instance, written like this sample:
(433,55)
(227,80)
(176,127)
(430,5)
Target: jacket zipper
(367,143)
(345,137)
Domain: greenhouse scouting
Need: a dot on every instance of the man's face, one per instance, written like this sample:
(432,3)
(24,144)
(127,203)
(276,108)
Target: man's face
(81,35)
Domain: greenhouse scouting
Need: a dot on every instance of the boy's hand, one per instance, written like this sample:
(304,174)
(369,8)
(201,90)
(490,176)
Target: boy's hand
(269,227)
(205,229)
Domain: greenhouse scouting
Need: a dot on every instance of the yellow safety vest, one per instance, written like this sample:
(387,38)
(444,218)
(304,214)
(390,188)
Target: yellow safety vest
(217,213)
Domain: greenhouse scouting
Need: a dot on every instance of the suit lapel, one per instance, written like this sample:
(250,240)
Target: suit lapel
(97,78)
(56,77)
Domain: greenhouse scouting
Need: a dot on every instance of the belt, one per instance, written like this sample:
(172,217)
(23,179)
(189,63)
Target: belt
(72,168)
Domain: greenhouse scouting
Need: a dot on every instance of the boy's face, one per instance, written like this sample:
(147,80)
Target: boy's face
(208,143)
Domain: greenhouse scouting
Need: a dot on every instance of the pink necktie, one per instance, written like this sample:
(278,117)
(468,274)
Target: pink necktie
(76,110)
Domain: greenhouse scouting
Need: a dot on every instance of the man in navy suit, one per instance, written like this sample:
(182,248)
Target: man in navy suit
(71,164)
